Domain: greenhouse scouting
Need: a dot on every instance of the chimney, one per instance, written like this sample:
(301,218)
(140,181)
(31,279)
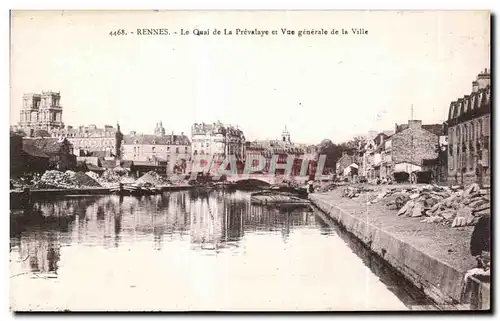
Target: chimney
(475,86)
(414,124)
(484,79)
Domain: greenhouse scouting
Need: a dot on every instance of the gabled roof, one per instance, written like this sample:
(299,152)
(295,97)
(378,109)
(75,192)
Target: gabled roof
(32,151)
(156,139)
(436,129)
(44,145)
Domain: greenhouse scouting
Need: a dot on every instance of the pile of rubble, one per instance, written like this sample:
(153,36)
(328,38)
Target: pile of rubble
(453,206)
(109,177)
(93,175)
(69,179)
(326,188)
(152,178)
(352,192)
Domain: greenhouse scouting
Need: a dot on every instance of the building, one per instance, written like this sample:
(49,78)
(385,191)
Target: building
(408,147)
(282,149)
(343,162)
(59,151)
(369,156)
(90,140)
(40,111)
(25,160)
(217,139)
(469,138)
(157,149)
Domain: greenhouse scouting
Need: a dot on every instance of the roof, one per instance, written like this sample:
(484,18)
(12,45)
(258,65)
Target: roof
(126,163)
(216,128)
(108,163)
(100,154)
(92,167)
(156,140)
(144,164)
(86,131)
(436,129)
(33,151)
(44,145)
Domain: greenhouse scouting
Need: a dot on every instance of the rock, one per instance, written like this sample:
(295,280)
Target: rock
(464,211)
(437,219)
(459,221)
(406,208)
(417,210)
(431,202)
(473,188)
(486,211)
(472,220)
(434,208)
(393,207)
(414,196)
(482,207)
(401,200)
(448,214)
(475,204)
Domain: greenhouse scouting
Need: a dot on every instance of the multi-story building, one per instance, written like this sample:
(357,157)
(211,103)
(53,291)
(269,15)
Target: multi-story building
(40,111)
(158,149)
(469,138)
(90,140)
(408,147)
(41,116)
(281,149)
(217,139)
(369,155)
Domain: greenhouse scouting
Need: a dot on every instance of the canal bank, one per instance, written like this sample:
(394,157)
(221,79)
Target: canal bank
(434,258)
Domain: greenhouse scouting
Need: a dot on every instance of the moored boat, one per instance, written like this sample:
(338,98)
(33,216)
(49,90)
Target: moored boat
(274,197)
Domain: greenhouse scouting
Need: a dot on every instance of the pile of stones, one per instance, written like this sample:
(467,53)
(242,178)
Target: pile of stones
(452,206)
(353,192)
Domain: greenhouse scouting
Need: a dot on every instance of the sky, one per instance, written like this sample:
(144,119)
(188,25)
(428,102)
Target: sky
(321,86)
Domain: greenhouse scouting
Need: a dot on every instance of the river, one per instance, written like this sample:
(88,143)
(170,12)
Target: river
(192,250)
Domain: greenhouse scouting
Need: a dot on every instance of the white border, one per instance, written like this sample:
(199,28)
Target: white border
(200,4)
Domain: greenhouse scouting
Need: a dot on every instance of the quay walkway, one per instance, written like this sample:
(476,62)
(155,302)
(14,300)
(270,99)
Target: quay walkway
(433,257)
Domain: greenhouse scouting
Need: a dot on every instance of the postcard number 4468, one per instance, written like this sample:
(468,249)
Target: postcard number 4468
(118,32)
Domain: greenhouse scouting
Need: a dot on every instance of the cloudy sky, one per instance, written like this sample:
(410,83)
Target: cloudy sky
(324,86)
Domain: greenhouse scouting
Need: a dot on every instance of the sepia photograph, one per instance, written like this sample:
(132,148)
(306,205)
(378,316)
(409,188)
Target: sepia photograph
(256,161)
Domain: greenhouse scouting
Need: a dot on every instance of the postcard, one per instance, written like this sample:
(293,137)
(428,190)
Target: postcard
(253,161)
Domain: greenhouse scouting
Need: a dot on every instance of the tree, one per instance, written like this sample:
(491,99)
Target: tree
(332,152)
(355,143)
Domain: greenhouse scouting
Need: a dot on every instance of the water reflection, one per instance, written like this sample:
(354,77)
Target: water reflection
(248,243)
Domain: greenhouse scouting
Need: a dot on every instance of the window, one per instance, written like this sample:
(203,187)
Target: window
(153,150)
(168,148)
(177,150)
(185,149)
